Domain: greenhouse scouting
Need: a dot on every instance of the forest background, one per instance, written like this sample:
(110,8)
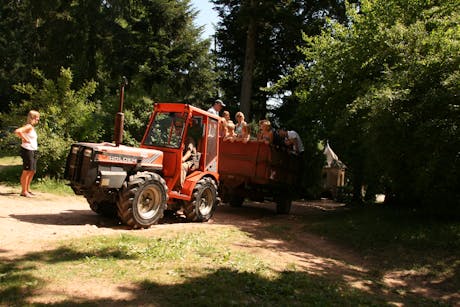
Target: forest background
(379,80)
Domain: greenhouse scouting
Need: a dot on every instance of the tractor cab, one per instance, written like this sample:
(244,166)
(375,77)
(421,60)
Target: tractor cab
(169,127)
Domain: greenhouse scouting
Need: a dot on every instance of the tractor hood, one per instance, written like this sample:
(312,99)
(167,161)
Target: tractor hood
(111,154)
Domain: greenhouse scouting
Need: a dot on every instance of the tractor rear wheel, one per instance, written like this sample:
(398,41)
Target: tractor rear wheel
(104,204)
(107,209)
(204,201)
(142,200)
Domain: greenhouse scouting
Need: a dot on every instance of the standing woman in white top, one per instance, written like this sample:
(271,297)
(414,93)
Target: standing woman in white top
(29,149)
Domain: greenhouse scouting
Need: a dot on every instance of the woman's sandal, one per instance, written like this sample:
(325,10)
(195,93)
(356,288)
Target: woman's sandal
(29,195)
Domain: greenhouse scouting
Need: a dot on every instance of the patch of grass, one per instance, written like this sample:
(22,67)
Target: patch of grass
(396,239)
(193,268)
(10,170)
(10,173)
(10,160)
(381,227)
(196,267)
(54,186)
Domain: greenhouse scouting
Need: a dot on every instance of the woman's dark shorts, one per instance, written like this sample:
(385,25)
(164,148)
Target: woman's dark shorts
(29,159)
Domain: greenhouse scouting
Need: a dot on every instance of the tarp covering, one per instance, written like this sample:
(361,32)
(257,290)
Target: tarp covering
(331,158)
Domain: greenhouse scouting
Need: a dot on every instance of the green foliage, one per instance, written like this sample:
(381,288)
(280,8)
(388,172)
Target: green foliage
(68,112)
(384,90)
(137,110)
(52,154)
(66,115)
(9,142)
(166,58)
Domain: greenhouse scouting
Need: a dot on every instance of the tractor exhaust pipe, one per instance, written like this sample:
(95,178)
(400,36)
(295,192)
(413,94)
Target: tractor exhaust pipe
(120,117)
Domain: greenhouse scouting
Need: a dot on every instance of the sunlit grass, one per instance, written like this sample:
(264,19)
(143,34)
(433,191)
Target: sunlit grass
(177,269)
(54,186)
(10,173)
(10,160)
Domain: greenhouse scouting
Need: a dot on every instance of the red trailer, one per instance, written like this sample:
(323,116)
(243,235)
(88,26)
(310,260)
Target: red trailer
(259,172)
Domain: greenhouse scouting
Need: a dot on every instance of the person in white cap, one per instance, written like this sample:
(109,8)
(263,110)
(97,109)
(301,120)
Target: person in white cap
(216,107)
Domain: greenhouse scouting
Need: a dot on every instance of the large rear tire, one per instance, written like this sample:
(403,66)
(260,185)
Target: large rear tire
(107,209)
(204,201)
(101,203)
(142,200)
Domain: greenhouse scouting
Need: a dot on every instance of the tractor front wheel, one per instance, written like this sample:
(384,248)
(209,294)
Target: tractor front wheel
(204,201)
(142,200)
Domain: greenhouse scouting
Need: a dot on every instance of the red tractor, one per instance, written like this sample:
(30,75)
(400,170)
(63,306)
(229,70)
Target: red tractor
(138,184)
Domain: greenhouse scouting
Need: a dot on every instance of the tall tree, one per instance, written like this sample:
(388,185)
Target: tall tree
(384,89)
(249,59)
(17,47)
(274,28)
(157,46)
(153,42)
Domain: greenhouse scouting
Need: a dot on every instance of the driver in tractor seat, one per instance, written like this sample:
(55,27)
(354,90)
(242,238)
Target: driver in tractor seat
(190,155)
(189,159)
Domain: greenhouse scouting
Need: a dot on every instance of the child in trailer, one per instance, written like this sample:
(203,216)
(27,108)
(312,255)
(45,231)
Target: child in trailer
(266,132)
(230,134)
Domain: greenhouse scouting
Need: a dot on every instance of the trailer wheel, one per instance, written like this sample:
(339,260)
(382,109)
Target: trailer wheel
(283,205)
(142,200)
(204,201)
(236,200)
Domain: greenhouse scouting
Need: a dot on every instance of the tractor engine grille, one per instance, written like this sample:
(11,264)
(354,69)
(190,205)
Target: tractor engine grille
(78,163)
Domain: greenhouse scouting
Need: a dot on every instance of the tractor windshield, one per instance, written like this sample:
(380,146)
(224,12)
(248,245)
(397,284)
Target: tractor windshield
(167,130)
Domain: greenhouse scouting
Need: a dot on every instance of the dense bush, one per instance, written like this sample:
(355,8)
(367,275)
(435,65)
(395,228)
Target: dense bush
(52,155)
(66,115)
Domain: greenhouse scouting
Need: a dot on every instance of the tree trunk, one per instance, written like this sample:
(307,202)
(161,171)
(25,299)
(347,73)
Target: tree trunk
(249,58)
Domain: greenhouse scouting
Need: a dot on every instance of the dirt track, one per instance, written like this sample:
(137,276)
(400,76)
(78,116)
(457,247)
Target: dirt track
(28,225)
